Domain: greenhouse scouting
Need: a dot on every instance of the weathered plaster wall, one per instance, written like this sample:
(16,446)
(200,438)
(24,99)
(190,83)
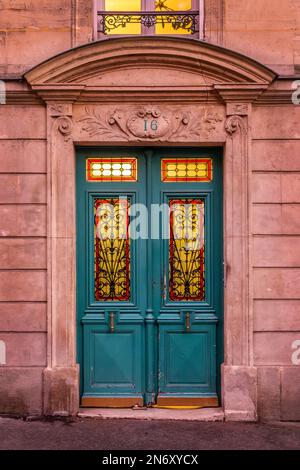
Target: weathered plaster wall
(34,30)
(22,257)
(276,258)
(267,30)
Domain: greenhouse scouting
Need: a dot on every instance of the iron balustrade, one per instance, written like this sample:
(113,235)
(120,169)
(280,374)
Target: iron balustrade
(108,21)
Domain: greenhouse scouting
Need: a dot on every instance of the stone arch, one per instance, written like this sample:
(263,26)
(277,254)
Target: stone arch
(81,65)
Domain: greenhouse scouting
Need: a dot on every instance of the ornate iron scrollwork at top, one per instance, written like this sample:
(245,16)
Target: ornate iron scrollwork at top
(187,21)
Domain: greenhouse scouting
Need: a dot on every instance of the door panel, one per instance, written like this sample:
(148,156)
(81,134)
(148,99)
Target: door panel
(111,306)
(188,308)
(187,359)
(114,367)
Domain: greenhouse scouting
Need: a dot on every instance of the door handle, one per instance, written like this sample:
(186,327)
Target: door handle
(164,287)
(111,322)
(187,322)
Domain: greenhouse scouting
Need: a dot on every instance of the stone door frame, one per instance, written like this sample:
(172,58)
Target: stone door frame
(216,114)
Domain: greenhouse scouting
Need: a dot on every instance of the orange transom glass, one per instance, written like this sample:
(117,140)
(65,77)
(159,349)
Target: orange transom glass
(186,169)
(111,169)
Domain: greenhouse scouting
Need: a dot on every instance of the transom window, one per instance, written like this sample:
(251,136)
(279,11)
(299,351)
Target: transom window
(149,17)
(111,169)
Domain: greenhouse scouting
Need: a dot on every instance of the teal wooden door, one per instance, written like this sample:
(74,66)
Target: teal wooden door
(149,281)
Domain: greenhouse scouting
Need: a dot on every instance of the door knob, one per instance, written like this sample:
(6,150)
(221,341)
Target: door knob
(188,322)
(111,322)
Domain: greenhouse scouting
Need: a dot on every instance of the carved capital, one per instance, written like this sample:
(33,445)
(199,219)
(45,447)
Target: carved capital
(239,109)
(61,113)
(58,109)
(64,126)
(235,124)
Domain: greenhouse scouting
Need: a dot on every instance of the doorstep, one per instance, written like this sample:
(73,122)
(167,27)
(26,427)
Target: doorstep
(203,414)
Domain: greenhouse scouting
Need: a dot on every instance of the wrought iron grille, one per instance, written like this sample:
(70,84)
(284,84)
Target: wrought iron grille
(186,250)
(184,20)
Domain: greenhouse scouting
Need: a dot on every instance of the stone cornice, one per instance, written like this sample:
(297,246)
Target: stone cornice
(245,93)
(16,97)
(59,92)
(211,75)
(217,94)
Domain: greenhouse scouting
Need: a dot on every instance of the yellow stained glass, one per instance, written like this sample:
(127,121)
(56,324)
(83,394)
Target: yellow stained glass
(172,6)
(112,249)
(126,6)
(186,250)
(194,169)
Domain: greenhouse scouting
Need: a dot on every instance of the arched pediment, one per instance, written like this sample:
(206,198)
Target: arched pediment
(156,62)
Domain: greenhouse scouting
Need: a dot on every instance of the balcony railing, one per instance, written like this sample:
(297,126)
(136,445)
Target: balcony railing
(114,21)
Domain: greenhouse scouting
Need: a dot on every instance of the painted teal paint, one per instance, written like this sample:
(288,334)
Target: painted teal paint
(111,365)
(96,345)
(180,374)
(154,353)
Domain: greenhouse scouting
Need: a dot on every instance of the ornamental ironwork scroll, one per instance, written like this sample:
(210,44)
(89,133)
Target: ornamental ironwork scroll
(186,250)
(111,250)
(179,20)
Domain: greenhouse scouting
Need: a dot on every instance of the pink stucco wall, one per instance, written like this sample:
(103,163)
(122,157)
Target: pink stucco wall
(34,30)
(275,216)
(22,257)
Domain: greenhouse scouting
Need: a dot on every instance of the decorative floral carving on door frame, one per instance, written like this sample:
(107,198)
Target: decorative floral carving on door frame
(149,123)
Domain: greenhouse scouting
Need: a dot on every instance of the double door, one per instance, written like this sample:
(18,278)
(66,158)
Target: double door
(149,277)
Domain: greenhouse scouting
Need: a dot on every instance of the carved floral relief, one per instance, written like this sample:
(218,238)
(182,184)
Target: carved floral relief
(150,123)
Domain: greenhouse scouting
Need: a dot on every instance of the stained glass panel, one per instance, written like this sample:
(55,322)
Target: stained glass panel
(111,169)
(186,250)
(123,5)
(165,6)
(112,249)
(189,169)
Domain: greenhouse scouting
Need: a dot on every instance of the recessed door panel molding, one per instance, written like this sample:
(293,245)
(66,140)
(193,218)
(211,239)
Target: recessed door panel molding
(112,366)
(187,360)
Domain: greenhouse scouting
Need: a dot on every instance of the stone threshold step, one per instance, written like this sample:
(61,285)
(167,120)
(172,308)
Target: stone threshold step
(203,414)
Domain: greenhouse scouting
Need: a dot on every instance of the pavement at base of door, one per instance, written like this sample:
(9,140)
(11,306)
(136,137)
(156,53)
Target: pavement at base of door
(126,434)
